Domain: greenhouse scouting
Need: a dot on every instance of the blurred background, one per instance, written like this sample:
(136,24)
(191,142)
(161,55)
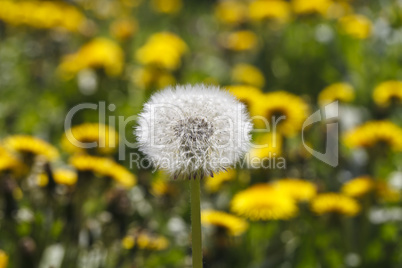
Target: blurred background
(64,206)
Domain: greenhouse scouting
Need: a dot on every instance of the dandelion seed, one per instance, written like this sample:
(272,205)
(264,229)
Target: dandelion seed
(192,131)
(198,130)
(145,241)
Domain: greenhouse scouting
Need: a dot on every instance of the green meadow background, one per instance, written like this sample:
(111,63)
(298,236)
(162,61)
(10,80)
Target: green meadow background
(278,57)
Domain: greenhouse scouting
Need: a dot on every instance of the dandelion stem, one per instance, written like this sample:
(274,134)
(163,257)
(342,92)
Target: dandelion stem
(196,223)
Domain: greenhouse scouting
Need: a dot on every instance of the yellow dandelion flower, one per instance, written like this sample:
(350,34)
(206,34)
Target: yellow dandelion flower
(288,110)
(161,186)
(278,10)
(143,240)
(9,163)
(374,133)
(240,40)
(267,146)
(335,203)
(300,190)
(386,92)
(163,50)
(231,224)
(60,176)
(338,9)
(357,26)
(95,164)
(148,77)
(248,74)
(358,186)
(387,193)
(104,138)
(42,180)
(3,259)
(248,95)
(98,53)
(42,14)
(104,167)
(311,6)
(3,151)
(121,175)
(123,29)
(32,146)
(230,12)
(213,184)
(128,242)
(336,92)
(263,202)
(167,6)
(151,242)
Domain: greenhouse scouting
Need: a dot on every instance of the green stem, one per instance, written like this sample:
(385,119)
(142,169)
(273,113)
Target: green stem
(196,223)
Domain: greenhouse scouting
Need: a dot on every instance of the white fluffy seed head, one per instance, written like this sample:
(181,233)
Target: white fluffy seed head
(193,130)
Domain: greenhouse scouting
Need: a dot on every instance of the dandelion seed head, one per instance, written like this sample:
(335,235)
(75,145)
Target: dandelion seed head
(193,130)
